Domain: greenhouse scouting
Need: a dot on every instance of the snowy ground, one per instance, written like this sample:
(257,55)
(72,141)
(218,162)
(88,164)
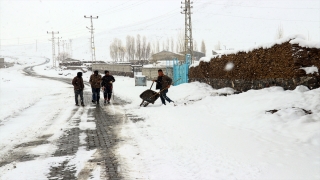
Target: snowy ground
(33,108)
(223,137)
(206,136)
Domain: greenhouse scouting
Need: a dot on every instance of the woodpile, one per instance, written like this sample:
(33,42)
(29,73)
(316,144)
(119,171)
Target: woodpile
(280,61)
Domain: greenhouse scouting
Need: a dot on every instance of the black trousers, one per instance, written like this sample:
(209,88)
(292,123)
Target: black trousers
(164,97)
(76,94)
(107,93)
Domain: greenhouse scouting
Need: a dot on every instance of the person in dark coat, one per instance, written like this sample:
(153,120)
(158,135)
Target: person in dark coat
(95,81)
(107,86)
(163,83)
(78,86)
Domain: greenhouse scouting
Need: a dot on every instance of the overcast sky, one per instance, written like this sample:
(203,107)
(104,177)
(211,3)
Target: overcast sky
(235,23)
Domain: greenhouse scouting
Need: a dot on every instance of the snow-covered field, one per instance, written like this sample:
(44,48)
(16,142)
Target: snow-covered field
(206,136)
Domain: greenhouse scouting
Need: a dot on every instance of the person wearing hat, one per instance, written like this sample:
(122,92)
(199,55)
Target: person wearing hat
(107,87)
(78,86)
(95,80)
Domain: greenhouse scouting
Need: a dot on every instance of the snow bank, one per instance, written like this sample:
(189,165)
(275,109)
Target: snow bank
(304,43)
(202,94)
(211,133)
(310,70)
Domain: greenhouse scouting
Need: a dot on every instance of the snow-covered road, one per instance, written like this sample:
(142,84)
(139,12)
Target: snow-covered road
(47,136)
(206,136)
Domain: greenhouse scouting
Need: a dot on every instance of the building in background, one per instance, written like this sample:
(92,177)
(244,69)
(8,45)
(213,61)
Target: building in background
(166,55)
(196,55)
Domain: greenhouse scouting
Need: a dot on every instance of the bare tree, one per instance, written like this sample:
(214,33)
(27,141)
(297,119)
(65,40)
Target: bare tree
(154,47)
(128,48)
(217,46)
(114,50)
(203,47)
(180,41)
(172,44)
(279,33)
(117,50)
(133,48)
(195,45)
(148,51)
(144,47)
(158,46)
(168,44)
(138,47)
(122,52)
(163,45)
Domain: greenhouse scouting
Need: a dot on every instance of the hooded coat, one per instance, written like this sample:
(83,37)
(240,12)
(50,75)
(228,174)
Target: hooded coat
(77,82)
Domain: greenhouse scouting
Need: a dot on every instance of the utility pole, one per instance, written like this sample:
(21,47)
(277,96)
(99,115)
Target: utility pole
(93,49)
(188,44)
(53,47)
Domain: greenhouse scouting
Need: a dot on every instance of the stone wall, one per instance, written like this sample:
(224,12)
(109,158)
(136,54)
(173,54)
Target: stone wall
(120,73)
(278,65)
(114,69)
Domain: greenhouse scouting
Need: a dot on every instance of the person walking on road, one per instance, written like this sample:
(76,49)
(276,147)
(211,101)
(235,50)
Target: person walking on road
(78,85)
(107,86)
(163,83)
(95,81)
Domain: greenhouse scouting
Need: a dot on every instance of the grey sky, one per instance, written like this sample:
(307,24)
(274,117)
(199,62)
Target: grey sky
(235,23)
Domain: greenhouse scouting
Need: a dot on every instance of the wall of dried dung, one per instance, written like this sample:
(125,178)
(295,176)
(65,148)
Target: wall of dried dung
(279,65)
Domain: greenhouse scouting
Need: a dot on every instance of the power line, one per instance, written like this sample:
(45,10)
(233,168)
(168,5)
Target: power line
(262,7)
(113,10)
(216,14)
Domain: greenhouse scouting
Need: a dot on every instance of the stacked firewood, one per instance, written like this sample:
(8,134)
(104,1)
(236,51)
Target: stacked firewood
(280,61)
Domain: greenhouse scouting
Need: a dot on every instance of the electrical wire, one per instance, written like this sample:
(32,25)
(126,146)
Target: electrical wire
(216,14)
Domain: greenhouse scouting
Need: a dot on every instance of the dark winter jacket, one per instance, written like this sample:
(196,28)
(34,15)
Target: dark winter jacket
(95,81)
(77,83)
(106,81)
(163,82)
